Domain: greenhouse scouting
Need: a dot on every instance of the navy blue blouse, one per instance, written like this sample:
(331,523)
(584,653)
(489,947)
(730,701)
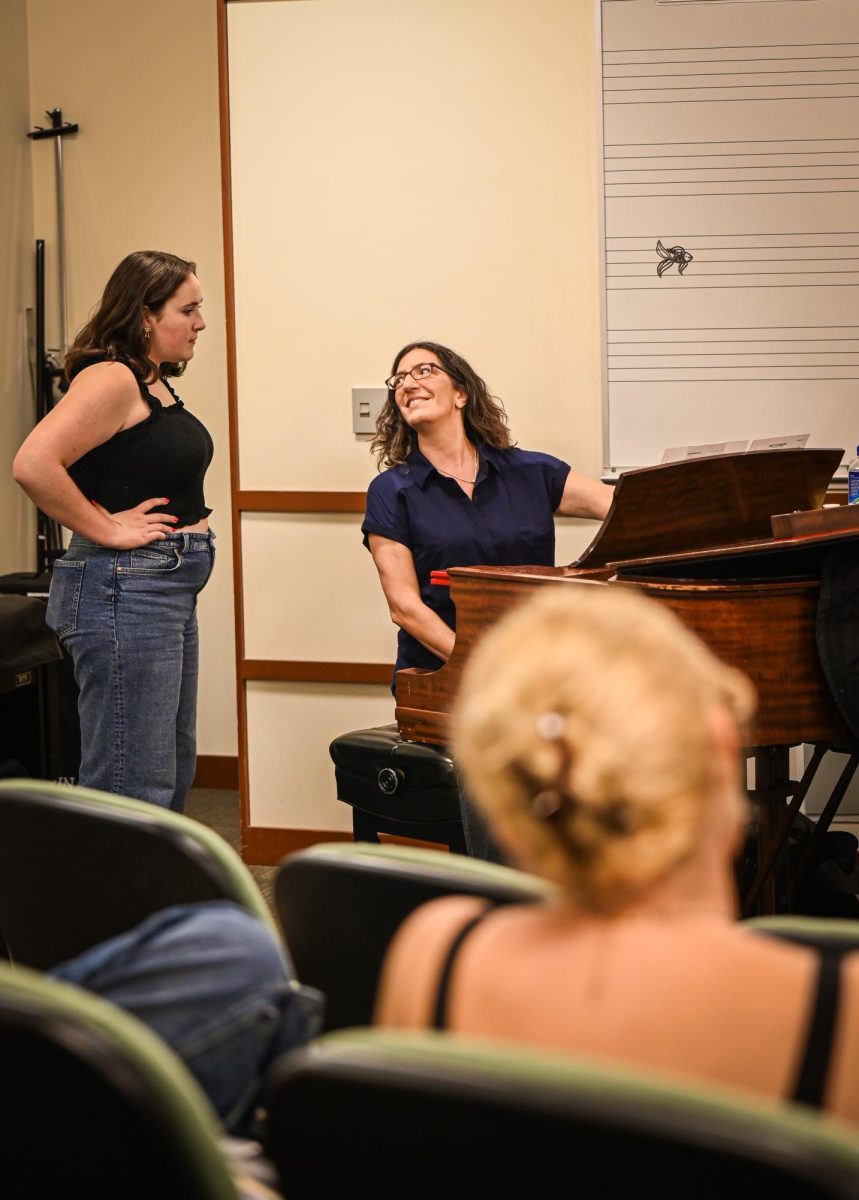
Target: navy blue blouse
(508,522)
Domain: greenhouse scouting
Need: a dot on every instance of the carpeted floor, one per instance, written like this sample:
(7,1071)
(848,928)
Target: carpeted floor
(219,809)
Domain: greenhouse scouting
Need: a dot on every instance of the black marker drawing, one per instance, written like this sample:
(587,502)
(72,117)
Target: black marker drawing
(674,254)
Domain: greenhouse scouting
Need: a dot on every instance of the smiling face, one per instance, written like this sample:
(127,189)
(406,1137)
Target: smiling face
(433,401)
(174,330)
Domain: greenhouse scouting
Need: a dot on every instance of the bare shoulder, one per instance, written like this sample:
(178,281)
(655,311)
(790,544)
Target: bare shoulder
(850,984)
(412,965)
(104,381)
(102,400)
(442,916)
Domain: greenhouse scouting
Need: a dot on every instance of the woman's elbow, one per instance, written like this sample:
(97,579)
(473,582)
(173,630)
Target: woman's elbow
(402,614)
(22,469)
(32,466)
(397,615)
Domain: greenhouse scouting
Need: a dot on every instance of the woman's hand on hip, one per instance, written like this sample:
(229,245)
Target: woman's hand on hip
(137,526)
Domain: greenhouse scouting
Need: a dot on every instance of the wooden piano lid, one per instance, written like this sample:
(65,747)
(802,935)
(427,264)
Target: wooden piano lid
(705,503)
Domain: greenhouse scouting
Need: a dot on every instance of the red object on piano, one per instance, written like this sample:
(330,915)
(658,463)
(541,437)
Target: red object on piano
(440,578)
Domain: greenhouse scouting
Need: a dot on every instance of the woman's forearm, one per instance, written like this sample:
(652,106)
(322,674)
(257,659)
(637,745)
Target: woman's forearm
(426,627)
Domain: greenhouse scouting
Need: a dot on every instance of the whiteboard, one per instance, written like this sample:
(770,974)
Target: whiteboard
(729,149)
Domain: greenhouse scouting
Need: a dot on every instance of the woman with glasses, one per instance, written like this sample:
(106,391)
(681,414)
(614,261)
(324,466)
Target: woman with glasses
(456,493)
(610,765)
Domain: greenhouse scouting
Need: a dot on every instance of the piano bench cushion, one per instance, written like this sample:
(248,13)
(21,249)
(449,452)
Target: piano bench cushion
(379,773)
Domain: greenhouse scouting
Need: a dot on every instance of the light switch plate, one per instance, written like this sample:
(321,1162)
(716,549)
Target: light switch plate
(367,403)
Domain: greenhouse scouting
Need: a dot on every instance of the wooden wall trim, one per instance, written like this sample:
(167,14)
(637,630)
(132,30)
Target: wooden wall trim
(217,771)
(265,847)
(311,502)
(295,671)
(232,398)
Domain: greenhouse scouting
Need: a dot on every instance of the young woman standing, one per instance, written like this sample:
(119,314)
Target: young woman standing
(120,462)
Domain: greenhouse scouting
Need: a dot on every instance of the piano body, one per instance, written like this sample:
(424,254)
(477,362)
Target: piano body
(696,535)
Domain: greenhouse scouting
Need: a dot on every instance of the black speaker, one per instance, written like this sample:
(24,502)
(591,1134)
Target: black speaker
(39,726)
(62,729)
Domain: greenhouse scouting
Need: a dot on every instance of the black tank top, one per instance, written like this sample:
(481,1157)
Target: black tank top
(167,454)
(813,1069)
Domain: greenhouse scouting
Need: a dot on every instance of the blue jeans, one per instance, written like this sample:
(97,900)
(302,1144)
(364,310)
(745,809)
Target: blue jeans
(479,840)
(213,982)
(128,619)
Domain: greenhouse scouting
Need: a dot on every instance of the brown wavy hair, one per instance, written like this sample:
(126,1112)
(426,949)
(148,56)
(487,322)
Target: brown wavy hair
(484,415)
(144,279)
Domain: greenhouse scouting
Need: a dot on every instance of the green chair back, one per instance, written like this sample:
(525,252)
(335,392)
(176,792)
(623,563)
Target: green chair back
(78,866)
(340,903)
(817,932)
(96,1105)
(434,1114)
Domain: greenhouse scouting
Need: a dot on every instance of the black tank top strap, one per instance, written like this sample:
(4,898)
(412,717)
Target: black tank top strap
(442,998)
(810,1086)
(169,387)
(154,403)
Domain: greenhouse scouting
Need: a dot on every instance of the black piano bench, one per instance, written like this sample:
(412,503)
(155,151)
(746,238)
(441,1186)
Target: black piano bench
(405,789)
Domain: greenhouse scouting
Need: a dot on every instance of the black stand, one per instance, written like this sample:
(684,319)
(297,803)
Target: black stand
(39,729)
(46,371)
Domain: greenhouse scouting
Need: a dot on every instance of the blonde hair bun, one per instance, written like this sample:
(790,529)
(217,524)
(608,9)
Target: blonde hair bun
(600,696)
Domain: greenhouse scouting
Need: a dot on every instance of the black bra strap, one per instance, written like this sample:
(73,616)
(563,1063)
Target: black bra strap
(439,1020)
(814,1066)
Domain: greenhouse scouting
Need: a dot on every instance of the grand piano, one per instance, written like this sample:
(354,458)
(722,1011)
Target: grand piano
(698,535)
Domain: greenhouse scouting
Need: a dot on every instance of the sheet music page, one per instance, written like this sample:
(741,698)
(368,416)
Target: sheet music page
(730,165)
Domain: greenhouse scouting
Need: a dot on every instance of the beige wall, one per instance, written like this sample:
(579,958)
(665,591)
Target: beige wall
(17,402)
(141,80)
(486,237)
(401,169)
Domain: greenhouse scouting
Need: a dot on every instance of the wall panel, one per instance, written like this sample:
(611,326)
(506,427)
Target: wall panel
(398,169)
(290,727)
(326,604)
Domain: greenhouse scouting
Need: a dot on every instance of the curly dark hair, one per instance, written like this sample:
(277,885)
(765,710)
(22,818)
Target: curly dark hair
(144,279)
(484,415)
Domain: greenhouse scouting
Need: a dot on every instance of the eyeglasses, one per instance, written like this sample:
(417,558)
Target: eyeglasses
(421,371)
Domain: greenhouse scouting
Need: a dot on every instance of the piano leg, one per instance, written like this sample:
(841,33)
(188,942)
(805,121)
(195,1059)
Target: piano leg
(770,890)
(774,884)
(825,818)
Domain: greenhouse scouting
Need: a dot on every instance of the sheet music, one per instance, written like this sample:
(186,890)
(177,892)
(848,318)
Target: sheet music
(730,164)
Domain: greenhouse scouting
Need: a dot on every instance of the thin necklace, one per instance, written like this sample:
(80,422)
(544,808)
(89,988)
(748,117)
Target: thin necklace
(459,478)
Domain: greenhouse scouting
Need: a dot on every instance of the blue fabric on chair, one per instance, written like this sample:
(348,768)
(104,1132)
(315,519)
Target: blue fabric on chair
(212,981)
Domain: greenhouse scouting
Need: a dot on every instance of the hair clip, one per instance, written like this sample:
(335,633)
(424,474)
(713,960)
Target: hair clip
(549,802)
(551,726)
(556,800)
(553,800)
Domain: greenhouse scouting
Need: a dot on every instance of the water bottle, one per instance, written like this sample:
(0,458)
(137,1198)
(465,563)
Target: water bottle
(853,480)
